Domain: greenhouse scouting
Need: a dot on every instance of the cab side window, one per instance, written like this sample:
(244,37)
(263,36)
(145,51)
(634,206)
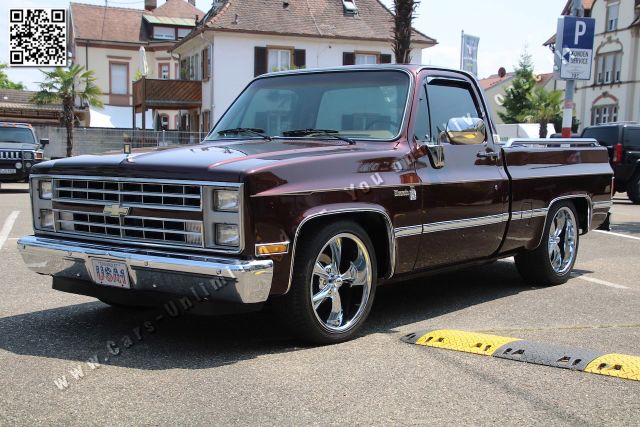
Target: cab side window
(450,99)
(632,137)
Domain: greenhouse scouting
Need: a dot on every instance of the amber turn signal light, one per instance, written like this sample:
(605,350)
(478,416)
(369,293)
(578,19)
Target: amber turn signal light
(272,249)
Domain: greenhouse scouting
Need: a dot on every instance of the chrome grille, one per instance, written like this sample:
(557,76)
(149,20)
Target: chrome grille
(151,229)
(86,206)
(10,155)
(147,194)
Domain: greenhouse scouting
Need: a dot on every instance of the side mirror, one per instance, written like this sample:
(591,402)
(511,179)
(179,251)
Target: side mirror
(44,141)
(466,131)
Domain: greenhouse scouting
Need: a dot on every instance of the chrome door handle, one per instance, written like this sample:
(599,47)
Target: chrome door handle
(488,155)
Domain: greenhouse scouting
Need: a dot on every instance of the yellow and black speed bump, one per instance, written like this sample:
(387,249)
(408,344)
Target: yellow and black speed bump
(615,365)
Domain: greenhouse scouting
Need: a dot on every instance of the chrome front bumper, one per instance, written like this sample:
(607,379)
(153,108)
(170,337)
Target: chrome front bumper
(221,279)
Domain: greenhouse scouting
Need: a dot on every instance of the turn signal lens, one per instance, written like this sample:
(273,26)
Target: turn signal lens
(272,248)
(39,155)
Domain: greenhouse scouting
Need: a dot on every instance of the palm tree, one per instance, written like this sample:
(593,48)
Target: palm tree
(545,108)
(403,11)
(61,86)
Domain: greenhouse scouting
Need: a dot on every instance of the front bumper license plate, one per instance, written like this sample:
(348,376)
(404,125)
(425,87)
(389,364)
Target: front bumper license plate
(7,171)
(109,273)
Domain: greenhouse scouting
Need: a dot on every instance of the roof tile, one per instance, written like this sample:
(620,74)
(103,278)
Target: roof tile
(317,18)
(117,24)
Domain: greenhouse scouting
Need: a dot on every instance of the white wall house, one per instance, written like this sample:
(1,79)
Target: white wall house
(613,93)
(107,39)
(241,39)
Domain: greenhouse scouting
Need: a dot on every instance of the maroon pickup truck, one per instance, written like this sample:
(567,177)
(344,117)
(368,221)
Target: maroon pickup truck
(315,187)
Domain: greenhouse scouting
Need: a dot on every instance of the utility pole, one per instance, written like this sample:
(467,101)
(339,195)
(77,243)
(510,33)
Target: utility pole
(567,115)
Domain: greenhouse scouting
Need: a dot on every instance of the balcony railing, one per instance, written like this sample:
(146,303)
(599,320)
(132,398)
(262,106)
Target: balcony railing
(167,94)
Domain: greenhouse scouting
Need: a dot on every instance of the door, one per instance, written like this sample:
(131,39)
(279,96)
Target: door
(465,206)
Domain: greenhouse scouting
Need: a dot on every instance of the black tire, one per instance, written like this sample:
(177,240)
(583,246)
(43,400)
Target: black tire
(295,309)
(633,189)
(535,266)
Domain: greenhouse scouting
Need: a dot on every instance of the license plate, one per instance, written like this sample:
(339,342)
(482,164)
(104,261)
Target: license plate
(110,273)
(7,171)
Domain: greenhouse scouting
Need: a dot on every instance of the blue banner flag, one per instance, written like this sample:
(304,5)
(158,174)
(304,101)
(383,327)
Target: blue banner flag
(469,54)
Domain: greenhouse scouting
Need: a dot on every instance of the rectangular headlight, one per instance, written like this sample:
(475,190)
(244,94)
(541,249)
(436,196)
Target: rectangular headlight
(226,201)
(45,189)
(46,218)
(227,235)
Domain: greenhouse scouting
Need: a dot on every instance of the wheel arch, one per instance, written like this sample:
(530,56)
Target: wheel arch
(372,219)
(584,211)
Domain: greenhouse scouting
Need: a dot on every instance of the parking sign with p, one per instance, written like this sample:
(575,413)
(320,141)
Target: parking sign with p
(574,47)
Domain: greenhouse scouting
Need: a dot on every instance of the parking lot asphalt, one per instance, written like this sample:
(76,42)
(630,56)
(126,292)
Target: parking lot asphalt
(246,369)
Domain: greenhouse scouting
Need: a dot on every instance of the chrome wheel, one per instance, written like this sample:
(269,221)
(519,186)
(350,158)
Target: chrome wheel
(562,240)
(341,282)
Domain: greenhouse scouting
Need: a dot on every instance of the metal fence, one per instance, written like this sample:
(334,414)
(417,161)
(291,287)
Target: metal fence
(106,141)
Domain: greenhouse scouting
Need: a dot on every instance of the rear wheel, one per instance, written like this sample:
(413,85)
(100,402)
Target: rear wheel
(333,286)
(633,189)
(552,262)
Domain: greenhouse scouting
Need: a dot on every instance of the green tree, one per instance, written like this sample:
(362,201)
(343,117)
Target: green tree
(403,20)
(516,101)
(545,108)
(5,83)
(65,86)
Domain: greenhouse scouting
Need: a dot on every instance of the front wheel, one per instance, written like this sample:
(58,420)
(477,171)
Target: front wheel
(333,286)
(552,262)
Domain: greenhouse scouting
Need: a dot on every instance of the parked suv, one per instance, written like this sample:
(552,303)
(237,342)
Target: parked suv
(623,143)
(19,151)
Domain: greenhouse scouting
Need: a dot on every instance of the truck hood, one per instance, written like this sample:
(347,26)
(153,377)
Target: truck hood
(227,161)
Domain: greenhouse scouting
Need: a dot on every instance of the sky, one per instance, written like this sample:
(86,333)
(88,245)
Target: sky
(505,28)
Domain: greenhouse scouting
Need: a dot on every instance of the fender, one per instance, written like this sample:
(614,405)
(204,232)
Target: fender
(341,208)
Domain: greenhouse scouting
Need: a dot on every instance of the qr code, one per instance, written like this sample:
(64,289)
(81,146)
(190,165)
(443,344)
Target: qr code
(37,37)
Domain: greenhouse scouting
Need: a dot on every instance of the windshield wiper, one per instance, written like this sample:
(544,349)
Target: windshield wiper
(252,131)
(318,132)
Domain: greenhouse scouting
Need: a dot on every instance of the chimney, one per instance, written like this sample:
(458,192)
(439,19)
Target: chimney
(150,4)
(192,3)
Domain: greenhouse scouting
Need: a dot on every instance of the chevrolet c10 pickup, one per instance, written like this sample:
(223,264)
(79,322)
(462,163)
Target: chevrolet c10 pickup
(312,189)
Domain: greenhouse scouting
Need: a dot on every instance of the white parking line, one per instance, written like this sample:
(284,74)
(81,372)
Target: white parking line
(617,234)
(600,282)
(8,225)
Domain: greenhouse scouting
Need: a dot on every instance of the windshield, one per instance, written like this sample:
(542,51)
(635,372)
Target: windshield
(18,135)
(358,104)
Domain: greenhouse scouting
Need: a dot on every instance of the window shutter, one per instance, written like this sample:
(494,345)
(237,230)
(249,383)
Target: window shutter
(385,59)
(348,58)
(300,58)
(260,61)
(205,64)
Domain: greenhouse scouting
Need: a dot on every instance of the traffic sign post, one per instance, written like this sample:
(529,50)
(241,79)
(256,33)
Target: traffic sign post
(573,56)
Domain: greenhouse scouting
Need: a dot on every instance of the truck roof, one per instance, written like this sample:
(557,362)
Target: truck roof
(411,68)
